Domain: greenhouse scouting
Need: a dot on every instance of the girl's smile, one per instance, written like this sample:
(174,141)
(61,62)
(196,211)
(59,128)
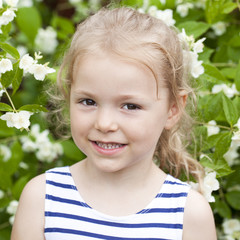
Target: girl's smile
(116,117)
(108,148)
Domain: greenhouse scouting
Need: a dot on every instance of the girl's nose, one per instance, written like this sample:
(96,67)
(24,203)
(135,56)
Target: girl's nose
(105,121)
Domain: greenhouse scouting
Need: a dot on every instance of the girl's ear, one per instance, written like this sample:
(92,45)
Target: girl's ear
(175,111)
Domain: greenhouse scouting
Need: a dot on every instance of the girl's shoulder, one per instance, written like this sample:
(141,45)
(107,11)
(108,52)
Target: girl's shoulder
(198,218)
(29,219)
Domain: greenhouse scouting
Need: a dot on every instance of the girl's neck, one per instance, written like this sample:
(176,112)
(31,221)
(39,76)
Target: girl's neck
(131,177)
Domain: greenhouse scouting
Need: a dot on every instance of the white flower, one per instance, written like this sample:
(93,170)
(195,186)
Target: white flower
(46,152)
(198,46)
(228,91)
(1,90)
(152,10)
(22,50)
(5,65)
(5,152)
(23,165)
(18,120)
(7,17)
(58,148)
(194,185)
(212,129)
(234,88)
(11,219)
(75,1)
(46,40)
(228,237)
(25,3)
(210,183)
(26,62)
(219,28)
(40,71)
(12,207)
(237,124)
(183,9)
(185,38)
(1,194)
(165,15)
(232,153)
(196,66)
(236,138)
(201,4)
(12,3)
(230,226)
(29,146)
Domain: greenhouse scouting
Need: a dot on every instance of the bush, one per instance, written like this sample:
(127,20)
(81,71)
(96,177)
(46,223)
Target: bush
(28,145)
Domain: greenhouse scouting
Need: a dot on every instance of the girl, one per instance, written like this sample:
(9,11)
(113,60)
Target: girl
(126,89)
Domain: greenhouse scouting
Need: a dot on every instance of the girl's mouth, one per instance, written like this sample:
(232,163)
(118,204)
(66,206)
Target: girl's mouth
(109,145)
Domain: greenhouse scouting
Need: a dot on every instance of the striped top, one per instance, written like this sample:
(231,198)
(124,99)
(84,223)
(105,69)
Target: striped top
(68,217)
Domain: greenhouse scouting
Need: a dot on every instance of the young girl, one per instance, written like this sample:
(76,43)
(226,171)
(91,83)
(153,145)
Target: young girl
(126,90)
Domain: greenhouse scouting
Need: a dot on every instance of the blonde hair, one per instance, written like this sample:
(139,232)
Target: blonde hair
(144,39)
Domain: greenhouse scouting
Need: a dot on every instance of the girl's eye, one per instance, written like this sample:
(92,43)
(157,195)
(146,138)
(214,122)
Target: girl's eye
(130,106)
(88,102)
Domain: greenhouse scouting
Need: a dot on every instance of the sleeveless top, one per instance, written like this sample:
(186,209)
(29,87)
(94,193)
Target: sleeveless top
(68,217)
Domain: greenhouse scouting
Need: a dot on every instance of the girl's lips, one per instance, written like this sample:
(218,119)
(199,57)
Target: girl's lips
(108,148)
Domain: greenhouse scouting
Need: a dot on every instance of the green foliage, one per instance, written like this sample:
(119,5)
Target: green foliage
(216,151)
(25,16)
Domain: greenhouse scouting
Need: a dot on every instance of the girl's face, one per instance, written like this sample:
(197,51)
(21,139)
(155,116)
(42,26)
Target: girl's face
(116,116)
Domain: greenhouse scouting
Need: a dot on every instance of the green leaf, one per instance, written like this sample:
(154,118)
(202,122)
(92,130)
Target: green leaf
(194,28)
(12,164)
(5,234)
(72,151)
(233,198)
(35,108)
(64,27)
(5,131)
(17,79)
(228,7)
(18,186)
(29,21)
(213,107)
(219,165)
(5,107)
(223,209)
(236,102)
(229,72)
(9,49)
(6,28)
(206,54)
(5,179)
(235,41)
(13,77)
(212,141)
(6,78)
(233,179)
(223,144)
(214,73)
(237,77)
(230,110)
(213,10)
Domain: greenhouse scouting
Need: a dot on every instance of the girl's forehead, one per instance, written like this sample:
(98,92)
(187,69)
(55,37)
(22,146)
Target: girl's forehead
(101,72)
(106,60)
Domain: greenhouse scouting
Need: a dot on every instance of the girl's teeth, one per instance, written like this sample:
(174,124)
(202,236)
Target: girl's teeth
(109,145)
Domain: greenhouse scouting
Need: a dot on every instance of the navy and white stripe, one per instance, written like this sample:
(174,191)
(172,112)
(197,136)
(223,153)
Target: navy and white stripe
(68,217)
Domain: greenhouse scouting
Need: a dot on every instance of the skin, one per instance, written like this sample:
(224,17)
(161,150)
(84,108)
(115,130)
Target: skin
(116,104)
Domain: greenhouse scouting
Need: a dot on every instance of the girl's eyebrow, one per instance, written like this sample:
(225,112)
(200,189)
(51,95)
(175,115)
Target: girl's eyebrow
(120,96)
(82,92)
